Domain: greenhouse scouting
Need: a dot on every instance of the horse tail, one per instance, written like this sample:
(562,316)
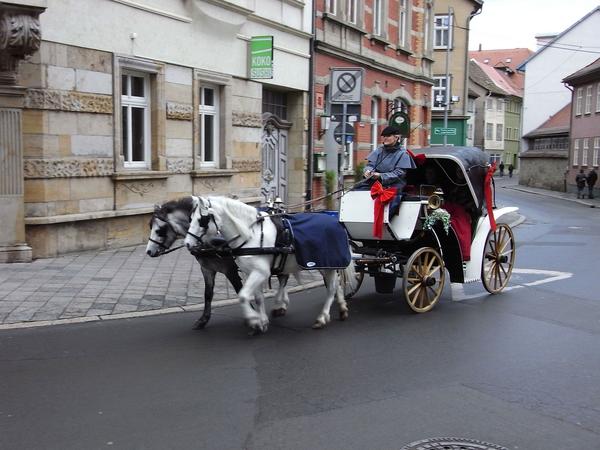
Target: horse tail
(348,278)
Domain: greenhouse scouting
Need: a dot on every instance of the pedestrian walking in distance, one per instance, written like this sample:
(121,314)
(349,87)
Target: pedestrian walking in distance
(580,181)
(510,170)
(501,169)
(591,179)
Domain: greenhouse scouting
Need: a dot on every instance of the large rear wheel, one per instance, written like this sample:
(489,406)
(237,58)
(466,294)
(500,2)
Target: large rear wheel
(424,277)
(498,258)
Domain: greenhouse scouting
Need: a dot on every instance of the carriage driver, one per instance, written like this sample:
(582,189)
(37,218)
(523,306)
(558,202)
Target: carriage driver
(388,164)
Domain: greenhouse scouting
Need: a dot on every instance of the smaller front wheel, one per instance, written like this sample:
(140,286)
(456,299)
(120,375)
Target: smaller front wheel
(424,277)
(498,258)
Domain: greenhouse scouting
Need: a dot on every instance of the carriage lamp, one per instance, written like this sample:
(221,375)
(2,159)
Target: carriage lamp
(320,162)
(435,200)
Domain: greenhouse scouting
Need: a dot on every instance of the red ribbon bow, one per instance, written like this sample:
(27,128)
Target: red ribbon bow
(488,196)
(382,197)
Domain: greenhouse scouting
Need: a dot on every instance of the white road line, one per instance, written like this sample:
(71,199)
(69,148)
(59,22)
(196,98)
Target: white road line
(459,295)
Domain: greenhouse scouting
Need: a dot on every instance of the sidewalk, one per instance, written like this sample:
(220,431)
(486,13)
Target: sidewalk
(513,183)
(122,283)
(110,284)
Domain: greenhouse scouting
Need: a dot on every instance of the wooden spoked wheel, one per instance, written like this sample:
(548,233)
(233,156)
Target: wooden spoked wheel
(498,258)
(424,277)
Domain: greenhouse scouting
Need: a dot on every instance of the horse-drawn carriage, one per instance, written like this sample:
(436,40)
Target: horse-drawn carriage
(445,221)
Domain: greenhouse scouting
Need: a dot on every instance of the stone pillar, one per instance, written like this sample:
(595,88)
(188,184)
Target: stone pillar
(19,36)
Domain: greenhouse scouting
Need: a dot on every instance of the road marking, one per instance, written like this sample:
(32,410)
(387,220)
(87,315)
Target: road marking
(459,295)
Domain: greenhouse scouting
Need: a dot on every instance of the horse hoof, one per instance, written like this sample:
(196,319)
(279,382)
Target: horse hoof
(318,325)
(278,312)
(343,315)
(200,324)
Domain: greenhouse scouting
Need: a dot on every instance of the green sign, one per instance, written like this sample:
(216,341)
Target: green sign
(402,121)
(444,131)
(261,57)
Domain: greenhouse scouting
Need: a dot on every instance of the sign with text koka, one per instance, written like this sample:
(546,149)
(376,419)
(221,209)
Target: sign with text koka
(261,57)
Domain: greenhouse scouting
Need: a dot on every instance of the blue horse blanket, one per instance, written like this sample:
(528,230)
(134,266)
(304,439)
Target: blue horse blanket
(320,241)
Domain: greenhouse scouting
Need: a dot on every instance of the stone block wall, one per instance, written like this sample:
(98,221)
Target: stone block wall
(543,170)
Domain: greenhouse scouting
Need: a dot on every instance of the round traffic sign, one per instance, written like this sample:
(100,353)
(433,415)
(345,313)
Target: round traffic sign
(346,82)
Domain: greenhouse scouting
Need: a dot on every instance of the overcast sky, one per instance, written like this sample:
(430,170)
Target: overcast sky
(514,23)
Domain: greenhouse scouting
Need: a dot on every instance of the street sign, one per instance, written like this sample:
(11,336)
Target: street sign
(346,85)
(402,121)
(444,131)
(261,57)
(340,131)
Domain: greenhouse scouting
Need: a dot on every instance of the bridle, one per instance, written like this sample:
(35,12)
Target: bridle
(161,244)
(204,221)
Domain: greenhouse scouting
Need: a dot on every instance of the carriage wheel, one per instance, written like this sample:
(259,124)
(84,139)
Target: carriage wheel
(498,258)
(350,289)
(424,277)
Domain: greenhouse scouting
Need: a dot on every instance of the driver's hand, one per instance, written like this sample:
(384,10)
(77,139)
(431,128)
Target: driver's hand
(367,174)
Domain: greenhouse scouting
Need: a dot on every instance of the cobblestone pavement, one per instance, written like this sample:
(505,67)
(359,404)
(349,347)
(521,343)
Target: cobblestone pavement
(105,283)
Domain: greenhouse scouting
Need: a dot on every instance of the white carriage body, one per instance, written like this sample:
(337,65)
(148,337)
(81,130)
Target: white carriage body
(357,215)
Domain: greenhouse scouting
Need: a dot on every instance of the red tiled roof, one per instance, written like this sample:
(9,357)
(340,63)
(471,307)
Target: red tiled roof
(559,122)
(499,59)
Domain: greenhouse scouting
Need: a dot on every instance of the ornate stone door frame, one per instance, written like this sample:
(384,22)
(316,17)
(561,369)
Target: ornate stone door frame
(274,155)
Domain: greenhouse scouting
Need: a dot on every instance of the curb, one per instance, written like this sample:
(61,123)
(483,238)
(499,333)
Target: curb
(549,194)
(154,312)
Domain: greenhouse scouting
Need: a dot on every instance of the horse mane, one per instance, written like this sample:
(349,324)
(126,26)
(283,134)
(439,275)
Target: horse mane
(241,215)
(185,204)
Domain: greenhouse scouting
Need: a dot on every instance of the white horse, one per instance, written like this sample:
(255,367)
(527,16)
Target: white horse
(243,227)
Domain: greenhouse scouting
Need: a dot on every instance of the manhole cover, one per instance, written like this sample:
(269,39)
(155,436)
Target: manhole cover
(451,444)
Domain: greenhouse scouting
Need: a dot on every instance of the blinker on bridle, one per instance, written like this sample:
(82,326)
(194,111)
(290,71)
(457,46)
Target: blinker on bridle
(204,222)
(160,244)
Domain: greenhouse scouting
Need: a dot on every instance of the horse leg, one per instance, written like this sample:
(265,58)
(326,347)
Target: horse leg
(282,300)
(209,288)
(330,277)
(252,289)
(350,274)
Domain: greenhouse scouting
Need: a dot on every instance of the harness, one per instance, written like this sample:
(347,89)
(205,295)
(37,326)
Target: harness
(162,245)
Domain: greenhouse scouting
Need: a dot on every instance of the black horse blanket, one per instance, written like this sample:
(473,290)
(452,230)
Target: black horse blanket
(320,241)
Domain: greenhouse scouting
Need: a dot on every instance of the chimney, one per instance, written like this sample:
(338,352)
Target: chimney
(480,46)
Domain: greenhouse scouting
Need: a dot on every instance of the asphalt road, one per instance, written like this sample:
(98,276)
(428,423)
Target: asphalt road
(519,369)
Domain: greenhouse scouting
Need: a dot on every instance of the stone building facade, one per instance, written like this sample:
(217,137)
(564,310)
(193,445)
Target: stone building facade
(146,101)
(391,41)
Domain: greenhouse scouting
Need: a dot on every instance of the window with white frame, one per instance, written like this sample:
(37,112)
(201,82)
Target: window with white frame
(351,11)
(596,150)
(374,120)
(500,105)
(579,102)
(598,97)
(507,132)
(489,131)
(442,31)
(209,125)
(403,24)
(586,150)
(588,99)
(576,152)
(499,131)
(489,103)
(331,6)
(378,17)
(495,158)
(471,105)
(135,116)
(440,92)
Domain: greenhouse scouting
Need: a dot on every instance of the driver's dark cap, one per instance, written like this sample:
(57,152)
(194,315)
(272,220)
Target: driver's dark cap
(390,131)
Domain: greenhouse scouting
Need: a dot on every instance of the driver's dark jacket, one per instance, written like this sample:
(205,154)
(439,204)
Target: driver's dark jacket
(390,163)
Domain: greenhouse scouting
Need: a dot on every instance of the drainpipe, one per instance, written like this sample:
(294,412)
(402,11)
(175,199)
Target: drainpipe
(311,106)
(474,13)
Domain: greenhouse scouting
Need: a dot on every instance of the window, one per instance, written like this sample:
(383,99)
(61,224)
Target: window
(440,92)
(507,131)
(330,6)
(576,152)
(442,32)
(403,23)
(596,149)
(495,158)
(351,12)
(135,116)
(209,126)
(489,131)
(500,105)
(598,97)
(471,105)
(489,104)
(586,150)
(470,130)
(517,136)
(378,17)
(275,102)
(588,99)
(579,104)
(499,131)
(374,120)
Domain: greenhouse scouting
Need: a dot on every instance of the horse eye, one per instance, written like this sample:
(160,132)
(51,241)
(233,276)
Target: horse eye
(162,231)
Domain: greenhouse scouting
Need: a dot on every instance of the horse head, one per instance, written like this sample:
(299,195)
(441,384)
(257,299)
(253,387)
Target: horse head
(168,222)
(218,221)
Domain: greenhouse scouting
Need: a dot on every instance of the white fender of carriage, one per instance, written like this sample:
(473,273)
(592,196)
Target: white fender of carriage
(473,267)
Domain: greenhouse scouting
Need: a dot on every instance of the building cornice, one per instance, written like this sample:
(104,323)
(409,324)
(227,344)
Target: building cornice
(279,26)
(340,53)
